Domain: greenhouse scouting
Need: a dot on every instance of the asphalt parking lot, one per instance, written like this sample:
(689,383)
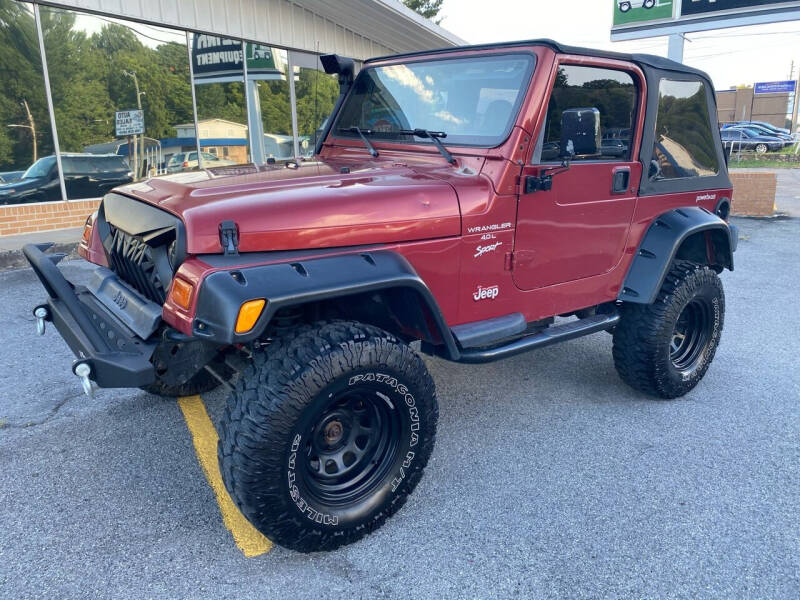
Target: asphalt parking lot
(550,479)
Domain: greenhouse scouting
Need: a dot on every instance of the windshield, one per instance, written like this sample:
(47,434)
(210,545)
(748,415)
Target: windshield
(41,168)
(473,100)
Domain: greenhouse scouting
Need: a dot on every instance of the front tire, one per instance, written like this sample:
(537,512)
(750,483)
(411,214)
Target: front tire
(327,433)
(761,148)
(664,349)
(624,6)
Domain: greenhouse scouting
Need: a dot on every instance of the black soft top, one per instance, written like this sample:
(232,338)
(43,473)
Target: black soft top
(645,60)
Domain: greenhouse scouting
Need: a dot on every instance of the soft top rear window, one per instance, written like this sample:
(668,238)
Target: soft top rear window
(684,138)
(474,100)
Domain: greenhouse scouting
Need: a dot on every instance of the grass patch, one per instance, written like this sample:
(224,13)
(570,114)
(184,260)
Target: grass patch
(762,164)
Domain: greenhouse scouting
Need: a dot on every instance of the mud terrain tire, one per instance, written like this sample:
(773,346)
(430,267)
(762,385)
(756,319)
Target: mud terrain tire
(664,349)
(326,434)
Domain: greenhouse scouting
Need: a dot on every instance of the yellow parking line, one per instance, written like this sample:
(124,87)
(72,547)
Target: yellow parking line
(250,541)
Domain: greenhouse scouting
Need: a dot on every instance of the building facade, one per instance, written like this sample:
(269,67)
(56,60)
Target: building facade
(156,80)
(741,104)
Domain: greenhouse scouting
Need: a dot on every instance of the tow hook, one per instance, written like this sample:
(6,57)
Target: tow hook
(83,370)
(41,314)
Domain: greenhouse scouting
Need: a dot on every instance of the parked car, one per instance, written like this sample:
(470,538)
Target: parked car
(735,138)
(626,5)
(85,176)
(788,140)
(764,124)
(615,141)
(310,292)
(186,161)
(11,176)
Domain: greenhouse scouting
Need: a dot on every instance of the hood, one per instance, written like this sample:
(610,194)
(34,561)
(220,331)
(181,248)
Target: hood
(315,205)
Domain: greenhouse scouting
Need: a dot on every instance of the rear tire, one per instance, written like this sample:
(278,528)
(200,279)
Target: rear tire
(761,148)
(624,6)
(327,433)
(664,349)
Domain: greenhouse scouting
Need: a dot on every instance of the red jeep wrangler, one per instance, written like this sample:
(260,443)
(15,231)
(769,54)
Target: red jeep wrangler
(482,201)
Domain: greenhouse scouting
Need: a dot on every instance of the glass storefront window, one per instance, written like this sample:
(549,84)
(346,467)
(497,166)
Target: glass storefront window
(190,101)
(273,102)
(26,141)
(221,104)
(316,93)
(99,67)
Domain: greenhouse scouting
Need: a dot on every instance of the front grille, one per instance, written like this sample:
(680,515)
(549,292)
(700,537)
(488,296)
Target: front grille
(136,263)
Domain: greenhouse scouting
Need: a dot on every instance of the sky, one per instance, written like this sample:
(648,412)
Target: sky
(731,57)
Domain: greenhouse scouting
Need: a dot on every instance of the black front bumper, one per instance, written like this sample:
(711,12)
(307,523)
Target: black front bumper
(117,357)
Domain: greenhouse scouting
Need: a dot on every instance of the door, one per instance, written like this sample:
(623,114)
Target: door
(576,225)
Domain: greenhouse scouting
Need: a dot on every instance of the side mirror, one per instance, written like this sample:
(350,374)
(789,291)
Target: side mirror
(580,132)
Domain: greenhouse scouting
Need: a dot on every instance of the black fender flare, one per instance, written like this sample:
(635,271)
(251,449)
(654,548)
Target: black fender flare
(304,281)
(661,244)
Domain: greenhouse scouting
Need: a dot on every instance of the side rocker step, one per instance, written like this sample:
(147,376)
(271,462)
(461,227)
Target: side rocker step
(551,335)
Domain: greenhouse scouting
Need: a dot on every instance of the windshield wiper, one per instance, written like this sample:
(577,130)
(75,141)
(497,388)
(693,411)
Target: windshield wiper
(361,133)
(434,137)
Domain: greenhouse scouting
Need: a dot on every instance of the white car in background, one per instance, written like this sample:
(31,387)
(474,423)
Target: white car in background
(187,161)
(626,5)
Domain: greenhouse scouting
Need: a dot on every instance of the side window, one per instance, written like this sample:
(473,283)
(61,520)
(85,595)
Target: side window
(684,141)
(609,92)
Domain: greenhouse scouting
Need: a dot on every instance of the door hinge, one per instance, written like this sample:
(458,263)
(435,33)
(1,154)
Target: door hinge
(229,238)
(508,264)
(538,184)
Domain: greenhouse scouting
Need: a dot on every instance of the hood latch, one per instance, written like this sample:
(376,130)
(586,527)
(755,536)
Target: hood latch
(229,238)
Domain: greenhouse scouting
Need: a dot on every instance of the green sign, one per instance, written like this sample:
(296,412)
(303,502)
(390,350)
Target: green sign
(628,12)
(218,59)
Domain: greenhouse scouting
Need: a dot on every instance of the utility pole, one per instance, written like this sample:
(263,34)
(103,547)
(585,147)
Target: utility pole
(140,152)
(32,126)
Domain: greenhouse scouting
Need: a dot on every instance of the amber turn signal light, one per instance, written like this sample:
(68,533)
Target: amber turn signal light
(248,315)
(181,293)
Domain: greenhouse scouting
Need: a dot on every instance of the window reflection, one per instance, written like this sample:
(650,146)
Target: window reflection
(25,133)
(316,93)
(99,67)
(684,145)
(271,90)
(473,100)
(612,92)
(221,106)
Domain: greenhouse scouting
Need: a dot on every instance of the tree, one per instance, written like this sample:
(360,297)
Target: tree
(427,8)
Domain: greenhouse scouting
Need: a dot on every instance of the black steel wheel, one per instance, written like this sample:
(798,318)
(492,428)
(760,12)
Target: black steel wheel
(327,433)
(351,442)
(691,334)
(665,348)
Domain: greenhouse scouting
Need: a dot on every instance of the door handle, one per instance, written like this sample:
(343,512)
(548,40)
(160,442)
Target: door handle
(621,179)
